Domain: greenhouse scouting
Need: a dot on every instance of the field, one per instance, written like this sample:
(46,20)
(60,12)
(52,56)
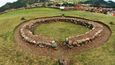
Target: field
(103,55)
(60,30)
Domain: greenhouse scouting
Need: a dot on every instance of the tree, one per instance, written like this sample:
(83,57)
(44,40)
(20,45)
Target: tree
(5,7)
(102,3)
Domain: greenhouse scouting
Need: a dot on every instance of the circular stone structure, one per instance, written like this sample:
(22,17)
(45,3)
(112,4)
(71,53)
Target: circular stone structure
(47,46)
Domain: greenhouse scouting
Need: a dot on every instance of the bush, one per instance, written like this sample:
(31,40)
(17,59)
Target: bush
(63,15)
(111,23)
(23,18)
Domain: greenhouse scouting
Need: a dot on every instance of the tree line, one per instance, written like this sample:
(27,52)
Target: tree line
(19,3)
(102,3)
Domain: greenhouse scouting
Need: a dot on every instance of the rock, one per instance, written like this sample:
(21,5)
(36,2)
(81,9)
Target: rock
(54,45)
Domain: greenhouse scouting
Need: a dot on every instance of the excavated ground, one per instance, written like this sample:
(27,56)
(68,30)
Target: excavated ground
(62,50)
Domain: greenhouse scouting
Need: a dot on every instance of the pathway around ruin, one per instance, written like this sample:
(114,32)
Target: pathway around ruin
(62,51)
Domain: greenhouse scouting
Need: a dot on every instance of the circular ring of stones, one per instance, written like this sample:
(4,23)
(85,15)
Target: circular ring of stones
(26,32)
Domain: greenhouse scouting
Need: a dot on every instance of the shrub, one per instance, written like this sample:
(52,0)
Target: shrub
(23,18)
(111,23)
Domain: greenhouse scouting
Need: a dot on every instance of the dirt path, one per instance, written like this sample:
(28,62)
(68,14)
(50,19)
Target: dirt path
(62,50)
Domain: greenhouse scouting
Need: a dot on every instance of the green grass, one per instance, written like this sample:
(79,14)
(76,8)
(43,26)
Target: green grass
(60,30)
(103,55)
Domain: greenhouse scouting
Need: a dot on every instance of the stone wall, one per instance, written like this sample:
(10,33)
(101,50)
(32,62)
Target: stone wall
(72,41)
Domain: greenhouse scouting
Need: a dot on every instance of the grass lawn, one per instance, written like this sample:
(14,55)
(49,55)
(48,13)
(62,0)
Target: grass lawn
(60,30)
(103,55)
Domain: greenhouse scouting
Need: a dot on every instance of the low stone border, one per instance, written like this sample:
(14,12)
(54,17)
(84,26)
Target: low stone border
(72,41)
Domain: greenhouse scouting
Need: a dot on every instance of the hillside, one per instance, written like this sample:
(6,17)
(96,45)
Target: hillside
(103,55)
(100,3)
(25,3)
(74,1)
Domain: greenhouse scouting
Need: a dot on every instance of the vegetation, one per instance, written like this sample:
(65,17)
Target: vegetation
(60,30)
(74,1)
(101,3)
(13,5)
(103,55)
(26,3)
(111,23)
(19,4)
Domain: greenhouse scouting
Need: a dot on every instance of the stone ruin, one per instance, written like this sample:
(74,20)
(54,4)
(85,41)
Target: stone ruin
(26,32)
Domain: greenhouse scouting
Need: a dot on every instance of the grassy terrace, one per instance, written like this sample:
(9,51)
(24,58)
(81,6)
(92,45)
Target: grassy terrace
(60,30)
(103,55)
